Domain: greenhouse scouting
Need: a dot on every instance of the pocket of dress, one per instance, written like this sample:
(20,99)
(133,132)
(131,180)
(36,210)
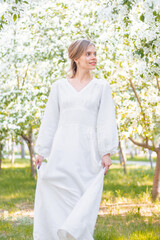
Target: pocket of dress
(41,170)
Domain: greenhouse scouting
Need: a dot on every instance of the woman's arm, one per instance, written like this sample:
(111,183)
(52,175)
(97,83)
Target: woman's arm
(48,125)
(107,132)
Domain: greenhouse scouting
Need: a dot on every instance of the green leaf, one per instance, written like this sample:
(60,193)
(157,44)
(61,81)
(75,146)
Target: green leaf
(14,17)
(142,17)
(140,52)
(146,59)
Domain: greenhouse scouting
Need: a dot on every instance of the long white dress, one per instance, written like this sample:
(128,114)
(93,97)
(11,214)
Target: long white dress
(77,129)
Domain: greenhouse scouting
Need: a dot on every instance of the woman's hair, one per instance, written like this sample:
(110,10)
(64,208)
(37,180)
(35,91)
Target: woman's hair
(75,50)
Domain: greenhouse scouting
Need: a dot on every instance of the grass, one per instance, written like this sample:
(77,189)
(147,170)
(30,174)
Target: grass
(17,189)
(126,212)
(136,186)
(128,227)
(136,158)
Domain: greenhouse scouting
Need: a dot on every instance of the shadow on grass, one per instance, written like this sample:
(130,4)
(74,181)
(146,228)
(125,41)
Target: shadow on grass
(128,227)
(15,230)
(137,181)
(16,186)
(109,227)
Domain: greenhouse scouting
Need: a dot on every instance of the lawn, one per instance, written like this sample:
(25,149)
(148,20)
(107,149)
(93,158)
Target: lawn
(126,211)
(136,158)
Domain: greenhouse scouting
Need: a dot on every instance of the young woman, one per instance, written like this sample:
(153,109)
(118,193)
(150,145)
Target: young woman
(77,136)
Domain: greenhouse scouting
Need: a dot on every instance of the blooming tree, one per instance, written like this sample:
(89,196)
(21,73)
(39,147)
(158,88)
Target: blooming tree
(35,54)
(126,34)
(132,39)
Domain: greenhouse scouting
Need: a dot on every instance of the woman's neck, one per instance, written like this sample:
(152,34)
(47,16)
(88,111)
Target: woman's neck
(83,77)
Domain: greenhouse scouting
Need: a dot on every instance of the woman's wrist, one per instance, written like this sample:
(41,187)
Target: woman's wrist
(40,156)
(106,155)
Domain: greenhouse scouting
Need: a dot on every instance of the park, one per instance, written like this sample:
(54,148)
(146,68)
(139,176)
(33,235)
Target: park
(34,36)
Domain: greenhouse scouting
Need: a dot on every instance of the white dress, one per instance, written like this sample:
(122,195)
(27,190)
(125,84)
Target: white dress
(77,129)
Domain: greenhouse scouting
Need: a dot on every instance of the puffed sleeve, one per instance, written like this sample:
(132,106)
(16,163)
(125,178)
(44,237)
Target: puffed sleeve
(107,132)
(49,123)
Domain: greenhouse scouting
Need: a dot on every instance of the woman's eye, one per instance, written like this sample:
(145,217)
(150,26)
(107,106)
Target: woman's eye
(95,54)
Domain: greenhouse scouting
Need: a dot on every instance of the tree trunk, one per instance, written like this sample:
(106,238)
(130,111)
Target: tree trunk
(131,154)
(31,152)
(29,141)
(156,181)
(120,154)
(1,148)
(10,149)
(22,149)
(13,151)
(135,151)
(150,158)
(123,155)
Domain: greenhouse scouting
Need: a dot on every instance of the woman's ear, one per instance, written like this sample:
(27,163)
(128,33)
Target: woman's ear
(76,61)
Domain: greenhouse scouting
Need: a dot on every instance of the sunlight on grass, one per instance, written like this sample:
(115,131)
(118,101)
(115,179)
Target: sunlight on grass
(19,163)
(136,158)
(126,212)
(135,187)
(125,227)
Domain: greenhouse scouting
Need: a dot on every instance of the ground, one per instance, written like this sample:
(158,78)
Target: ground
(126,211)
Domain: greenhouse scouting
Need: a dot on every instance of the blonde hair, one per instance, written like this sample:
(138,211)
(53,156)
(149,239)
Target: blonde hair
(75,50)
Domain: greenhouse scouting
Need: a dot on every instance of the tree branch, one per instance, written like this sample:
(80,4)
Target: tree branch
(25,138)
(158,85)
(138,99)
(145,145)
(25,76)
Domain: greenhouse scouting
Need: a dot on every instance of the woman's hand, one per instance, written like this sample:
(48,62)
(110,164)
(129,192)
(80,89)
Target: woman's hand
(39,160)
(106,162)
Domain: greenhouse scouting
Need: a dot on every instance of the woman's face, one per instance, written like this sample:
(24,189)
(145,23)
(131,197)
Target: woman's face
(88,60)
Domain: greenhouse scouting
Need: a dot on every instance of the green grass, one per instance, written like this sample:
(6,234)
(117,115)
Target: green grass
(17,189)
(16,185)
(136,186)
(130,226)
(126,212)
(136,158)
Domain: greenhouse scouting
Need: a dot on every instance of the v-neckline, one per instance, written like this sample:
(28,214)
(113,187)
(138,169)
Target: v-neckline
(76,91)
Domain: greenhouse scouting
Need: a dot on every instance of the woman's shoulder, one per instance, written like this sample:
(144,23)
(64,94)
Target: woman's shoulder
(58,81)
(98,81)
(102,82)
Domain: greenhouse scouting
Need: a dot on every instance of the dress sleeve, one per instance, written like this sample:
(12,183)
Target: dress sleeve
(107,132)
(49,124)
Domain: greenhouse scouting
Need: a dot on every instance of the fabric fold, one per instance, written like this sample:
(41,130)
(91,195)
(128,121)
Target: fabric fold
(76,226)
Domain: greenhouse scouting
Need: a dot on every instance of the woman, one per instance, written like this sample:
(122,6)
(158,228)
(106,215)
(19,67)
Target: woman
(78,134)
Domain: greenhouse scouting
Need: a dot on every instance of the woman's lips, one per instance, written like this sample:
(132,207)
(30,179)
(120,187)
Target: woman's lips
(94,63)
